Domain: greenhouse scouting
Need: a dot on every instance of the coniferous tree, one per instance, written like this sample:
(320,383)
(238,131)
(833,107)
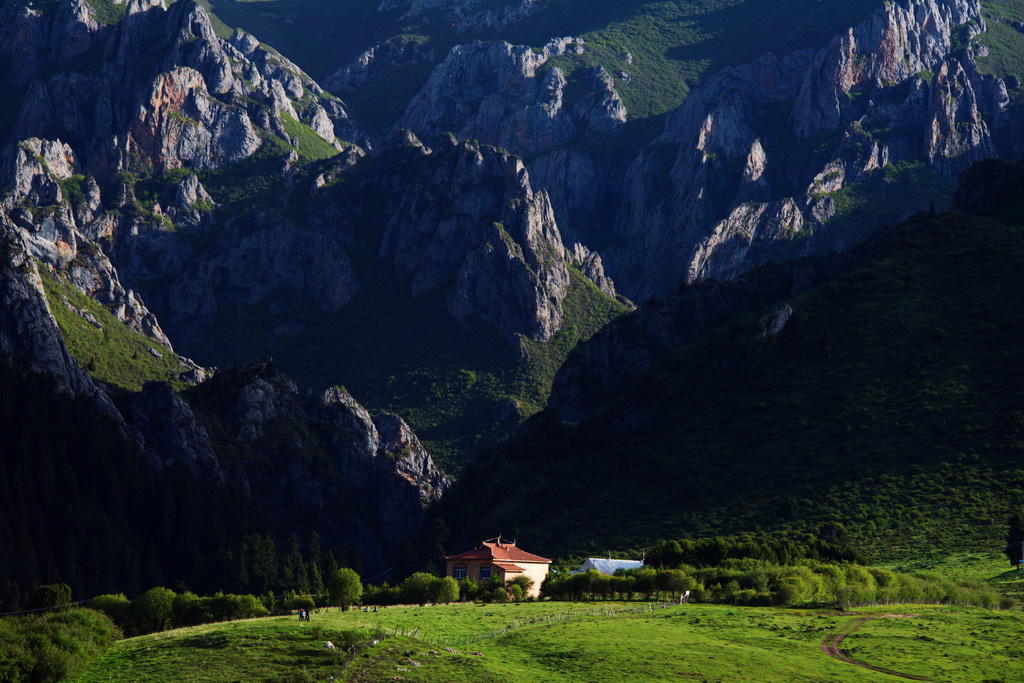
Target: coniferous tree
(1015,537)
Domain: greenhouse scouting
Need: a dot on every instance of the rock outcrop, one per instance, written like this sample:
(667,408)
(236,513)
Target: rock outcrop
(471,215)
(269,261)
(364,480)
(707,199)
(502,95)
(61,233)
(29,337)
(468,15)
(171,433)
(382,58)
(169,93)
(32,39)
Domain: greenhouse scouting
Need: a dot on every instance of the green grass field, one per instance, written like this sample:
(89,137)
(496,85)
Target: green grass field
(698,642)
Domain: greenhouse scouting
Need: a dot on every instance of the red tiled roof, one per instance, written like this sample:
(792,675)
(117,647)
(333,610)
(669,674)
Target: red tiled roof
(475,554)
(509,567)
(509,551)
(498,552)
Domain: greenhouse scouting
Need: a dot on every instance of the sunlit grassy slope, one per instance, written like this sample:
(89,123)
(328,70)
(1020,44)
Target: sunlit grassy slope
(108,349)
(699,642)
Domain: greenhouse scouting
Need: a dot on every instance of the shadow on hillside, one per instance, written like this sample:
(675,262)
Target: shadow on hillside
(1011,575)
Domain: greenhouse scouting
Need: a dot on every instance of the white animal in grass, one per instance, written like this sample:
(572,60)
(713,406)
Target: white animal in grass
(328,645)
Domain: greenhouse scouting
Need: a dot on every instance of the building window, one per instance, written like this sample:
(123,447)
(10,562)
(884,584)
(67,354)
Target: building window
(485,573)
(458,573)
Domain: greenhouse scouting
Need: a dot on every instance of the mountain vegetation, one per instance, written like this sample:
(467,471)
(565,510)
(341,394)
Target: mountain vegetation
(56,646)
(203,250)
(80,506)
(888,404)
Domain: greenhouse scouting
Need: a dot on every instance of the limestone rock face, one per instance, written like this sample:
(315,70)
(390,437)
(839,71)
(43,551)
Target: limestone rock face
(468,15)
(171,432)
(29,336)
(206,101)
(377,60)
(35,168)
(706,199)
(585,190)
(376,468)
(471,215)
(734,244)
(589,263)
(894,44)
(63,236)
(182,125)
(272,261)
(32,40)
(496,93)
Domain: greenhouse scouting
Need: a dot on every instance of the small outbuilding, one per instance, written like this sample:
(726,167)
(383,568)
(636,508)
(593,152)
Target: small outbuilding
(498,559)
(608,565)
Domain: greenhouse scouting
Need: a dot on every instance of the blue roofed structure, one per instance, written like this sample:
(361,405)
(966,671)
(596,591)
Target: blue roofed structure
(608,565)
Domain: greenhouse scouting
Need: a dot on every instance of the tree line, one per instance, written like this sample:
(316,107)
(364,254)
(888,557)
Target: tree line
(751,581)
(79,506)
(711,552)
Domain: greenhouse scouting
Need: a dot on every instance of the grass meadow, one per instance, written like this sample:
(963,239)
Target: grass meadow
(695,641)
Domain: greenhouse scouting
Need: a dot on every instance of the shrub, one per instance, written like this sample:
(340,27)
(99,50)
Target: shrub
(152,611)
(445,590)
(51,595)
(117,608)
(344,588)
(417,588)
(53,647)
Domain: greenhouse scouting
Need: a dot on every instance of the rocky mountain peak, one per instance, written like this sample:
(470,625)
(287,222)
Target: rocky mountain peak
(506,95)
(486,227)
(888,91)
(204,104)
(897,42)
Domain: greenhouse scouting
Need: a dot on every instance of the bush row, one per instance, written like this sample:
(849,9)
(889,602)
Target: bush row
(755,582)
(161,608)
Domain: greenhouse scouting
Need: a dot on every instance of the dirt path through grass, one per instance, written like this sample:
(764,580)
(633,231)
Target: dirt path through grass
(831,646)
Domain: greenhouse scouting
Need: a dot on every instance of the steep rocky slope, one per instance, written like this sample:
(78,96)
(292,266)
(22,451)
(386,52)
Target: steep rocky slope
(159,89)
(192,166)
(312,462)
(891,90)
(758,161)
(158,169)
(876,392)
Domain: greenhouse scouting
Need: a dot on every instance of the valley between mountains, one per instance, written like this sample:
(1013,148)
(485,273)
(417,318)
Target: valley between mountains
(293,287)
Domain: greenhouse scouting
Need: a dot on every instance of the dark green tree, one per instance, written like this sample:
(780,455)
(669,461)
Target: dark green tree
(345,588)
(152,611)
(51,595)
(1015,537)
(417,589)
(444,590)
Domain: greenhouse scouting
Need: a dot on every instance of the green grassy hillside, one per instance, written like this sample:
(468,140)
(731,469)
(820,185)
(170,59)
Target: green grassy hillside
(700,642)
(110,350)
(891,404)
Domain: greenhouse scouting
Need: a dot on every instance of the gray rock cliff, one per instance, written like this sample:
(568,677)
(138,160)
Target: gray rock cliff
(170,93)
(707,199)
(503,95)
